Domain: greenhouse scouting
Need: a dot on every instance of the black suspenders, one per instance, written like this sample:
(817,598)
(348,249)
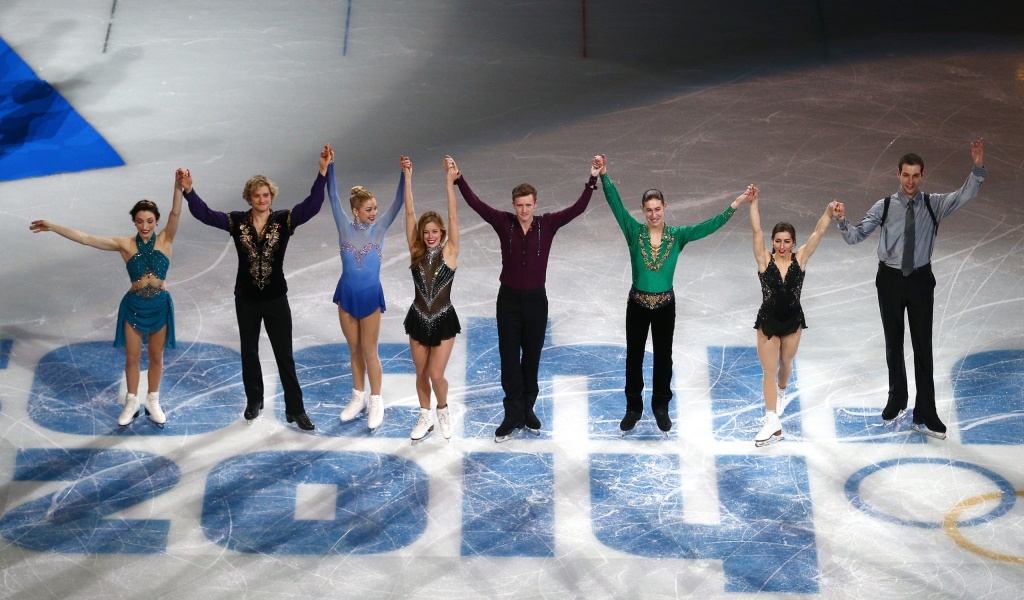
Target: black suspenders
(927,204)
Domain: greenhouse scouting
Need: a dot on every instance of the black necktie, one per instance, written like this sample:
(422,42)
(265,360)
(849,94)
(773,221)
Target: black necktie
(909,228)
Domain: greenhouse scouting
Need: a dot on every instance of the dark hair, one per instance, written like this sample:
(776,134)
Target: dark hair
(910,159)
(419,249)
(524,189)
(780,228)
(146,205)
(651,194)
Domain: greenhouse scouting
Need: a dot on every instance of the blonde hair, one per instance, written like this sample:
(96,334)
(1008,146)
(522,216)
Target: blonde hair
(254,183)
(419,249)
(358,195)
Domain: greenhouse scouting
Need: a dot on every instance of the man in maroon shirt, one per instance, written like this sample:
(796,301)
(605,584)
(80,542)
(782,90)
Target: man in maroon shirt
(522,307)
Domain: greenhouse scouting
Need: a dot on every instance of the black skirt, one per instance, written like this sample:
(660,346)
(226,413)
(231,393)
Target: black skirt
(432,333)
(771,325)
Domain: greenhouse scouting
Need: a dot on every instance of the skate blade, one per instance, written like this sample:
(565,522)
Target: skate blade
(159,424)
(535,432)
(135,416)
(504,438)
(417,441)
(775,438)
(895,420)
(344,420)
(924,429)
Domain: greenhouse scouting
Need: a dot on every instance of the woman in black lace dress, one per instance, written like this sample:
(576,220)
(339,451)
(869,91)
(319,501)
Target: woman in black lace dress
(780,320)
(432,323)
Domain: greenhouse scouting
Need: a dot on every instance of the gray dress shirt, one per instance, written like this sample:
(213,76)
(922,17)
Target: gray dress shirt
(890,242)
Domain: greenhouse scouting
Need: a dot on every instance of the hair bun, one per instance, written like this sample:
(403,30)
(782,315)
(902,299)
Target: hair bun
(357,189)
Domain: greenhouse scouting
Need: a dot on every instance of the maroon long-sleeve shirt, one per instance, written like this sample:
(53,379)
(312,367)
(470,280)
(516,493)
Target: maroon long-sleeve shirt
(524,256)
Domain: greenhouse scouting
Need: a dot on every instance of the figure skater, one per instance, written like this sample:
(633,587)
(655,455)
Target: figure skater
(146,309)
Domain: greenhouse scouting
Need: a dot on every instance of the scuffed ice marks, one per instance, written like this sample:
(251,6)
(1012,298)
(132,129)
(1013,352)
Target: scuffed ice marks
(508,504)
(76,389)
(103,483)
(766,535)
(249,504)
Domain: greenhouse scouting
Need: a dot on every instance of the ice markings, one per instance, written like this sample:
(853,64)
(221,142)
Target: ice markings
(325,373)
(766,536)
(602,365)
(103,482)
(737,400)
(250,503)
(989,391)
(76,389)
(508,505)
(484,409)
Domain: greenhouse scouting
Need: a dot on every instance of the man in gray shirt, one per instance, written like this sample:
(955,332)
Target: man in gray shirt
(909,221)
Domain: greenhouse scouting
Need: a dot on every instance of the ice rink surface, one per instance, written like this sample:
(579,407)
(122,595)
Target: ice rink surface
(214,507)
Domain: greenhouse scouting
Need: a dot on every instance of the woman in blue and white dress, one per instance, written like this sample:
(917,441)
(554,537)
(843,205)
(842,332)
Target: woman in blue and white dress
(359,295)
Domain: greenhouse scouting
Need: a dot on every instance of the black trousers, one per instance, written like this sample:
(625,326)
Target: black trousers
(661,322)
(522,319)
(915,294)
(276,315)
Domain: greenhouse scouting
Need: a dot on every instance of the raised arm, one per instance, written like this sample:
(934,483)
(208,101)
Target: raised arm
(396,205)
(102,243)
(196,206)
(562,217)
(452,247)
(171,229)
(626,222)
(340,218)
(760,252)
(492,215)
(692,233)
(308,208)
(804,253)
(945,204)
(410,210)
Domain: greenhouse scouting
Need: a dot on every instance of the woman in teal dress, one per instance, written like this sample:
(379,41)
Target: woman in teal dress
(146,309)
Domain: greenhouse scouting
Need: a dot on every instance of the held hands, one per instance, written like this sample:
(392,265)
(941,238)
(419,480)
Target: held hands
(830,210)
(326,158)
(838,210)
(749,195)
(451,169)
(183,177)
(406,165)
(597,165)
(978,152)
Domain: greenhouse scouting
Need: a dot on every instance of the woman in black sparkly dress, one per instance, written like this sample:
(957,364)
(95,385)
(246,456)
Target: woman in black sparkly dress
(780,320)
(432,323)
